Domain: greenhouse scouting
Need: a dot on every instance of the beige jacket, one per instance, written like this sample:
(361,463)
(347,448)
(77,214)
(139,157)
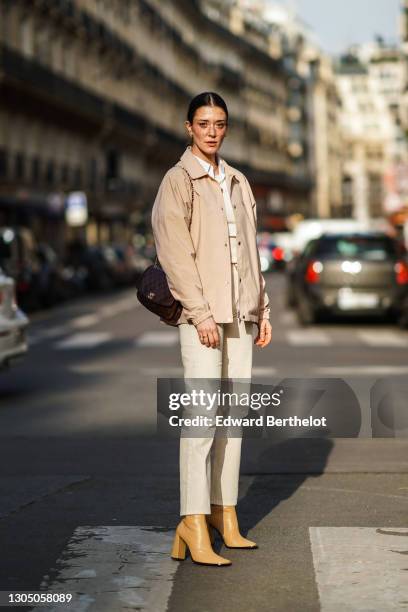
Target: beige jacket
(197,263)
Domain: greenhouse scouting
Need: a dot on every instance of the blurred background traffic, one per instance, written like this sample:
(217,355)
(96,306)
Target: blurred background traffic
(93,96)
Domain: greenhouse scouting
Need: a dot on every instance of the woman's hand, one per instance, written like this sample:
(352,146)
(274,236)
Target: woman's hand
(208,333)
(264,333)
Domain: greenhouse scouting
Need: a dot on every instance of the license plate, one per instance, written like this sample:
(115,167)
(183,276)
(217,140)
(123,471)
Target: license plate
(349,300)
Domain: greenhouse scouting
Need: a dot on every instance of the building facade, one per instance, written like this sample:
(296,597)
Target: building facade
(370,81)
(93,96)
(313,103)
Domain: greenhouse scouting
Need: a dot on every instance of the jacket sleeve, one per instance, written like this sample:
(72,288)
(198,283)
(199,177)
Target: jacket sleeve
(264,310)
(174,247)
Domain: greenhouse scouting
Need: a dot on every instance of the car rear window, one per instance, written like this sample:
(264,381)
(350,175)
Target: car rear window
(356,247)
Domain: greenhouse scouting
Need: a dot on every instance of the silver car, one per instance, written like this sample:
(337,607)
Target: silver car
(349,274)
(13,323)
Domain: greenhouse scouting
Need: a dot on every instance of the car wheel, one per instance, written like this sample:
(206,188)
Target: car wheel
(305,313)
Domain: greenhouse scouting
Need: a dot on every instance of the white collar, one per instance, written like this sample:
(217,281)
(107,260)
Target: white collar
(210,168)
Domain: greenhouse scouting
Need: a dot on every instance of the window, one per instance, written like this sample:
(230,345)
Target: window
(93,174)
(41,45)
(50,173)
(375,193)
(19,166)
(112,166)
(68,61)
(35,170)
(366,248)
(3,163)
(64,174)
(347,189)
(26,37)
(77,177)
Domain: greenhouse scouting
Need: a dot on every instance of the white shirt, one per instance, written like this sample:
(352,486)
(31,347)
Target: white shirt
(221,179)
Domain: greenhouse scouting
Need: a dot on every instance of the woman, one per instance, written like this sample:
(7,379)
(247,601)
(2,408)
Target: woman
(204,226)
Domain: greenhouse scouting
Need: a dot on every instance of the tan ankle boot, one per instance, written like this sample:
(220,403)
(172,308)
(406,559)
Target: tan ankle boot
(192,532)
(224,520)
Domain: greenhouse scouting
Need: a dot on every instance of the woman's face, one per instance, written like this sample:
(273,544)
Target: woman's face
(208,129)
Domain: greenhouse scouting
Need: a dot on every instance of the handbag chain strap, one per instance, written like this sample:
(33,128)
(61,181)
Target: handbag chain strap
(192,195)
(156,261)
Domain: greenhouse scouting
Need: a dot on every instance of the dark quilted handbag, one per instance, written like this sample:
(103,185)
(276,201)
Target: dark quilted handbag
(153,290)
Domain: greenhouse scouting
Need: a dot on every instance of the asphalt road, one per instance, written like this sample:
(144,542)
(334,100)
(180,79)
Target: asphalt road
(89,492)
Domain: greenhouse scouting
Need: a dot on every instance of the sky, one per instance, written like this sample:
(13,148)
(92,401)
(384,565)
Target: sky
(340,23)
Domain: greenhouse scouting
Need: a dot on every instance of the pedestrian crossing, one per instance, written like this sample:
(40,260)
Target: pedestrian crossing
(360,568)
(77,332)
(116,568)
(81,322)
(84,340)
(157,338)
(129,567)
(383,338)
(299,338)
(307,337)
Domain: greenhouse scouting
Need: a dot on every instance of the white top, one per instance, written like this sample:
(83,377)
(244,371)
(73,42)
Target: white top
(221,179)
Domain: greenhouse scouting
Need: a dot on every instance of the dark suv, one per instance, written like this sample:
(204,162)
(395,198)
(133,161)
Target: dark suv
(364,273)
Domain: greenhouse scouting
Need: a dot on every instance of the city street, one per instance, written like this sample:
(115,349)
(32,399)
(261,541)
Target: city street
(89,494)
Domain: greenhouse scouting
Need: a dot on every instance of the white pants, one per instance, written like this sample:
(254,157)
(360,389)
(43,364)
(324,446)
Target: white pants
(209,466)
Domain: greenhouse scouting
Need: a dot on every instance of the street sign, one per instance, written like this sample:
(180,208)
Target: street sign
(76,209)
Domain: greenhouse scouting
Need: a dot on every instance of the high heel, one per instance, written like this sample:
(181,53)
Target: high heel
(224,520)
(192,533)
(179,548)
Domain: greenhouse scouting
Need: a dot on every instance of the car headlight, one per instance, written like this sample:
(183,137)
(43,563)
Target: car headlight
(264,264)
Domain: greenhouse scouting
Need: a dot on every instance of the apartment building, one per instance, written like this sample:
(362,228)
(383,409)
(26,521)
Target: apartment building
(93,96)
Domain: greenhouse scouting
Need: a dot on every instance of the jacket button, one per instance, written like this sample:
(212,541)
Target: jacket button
(226,244)
(239,243)
(243,316)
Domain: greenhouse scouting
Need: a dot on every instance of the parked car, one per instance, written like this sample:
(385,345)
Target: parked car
(98,266)
(54,284)
(343,274)
(272,256)
(133,262)
(13,323)
(19,259)
(41,280)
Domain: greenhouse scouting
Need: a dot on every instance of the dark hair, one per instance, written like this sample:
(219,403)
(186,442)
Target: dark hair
(207,98)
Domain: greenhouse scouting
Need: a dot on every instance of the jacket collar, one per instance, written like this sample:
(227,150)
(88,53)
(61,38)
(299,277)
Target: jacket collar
(196,170)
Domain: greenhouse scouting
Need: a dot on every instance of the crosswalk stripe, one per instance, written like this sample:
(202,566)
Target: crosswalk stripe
(382,338)
(111,310)
(308,337)
(84,340)
(371,370)
(85,321)
(170,371)
(360,568)
(157,338)
(163,372)
(261,371)
(116,568)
